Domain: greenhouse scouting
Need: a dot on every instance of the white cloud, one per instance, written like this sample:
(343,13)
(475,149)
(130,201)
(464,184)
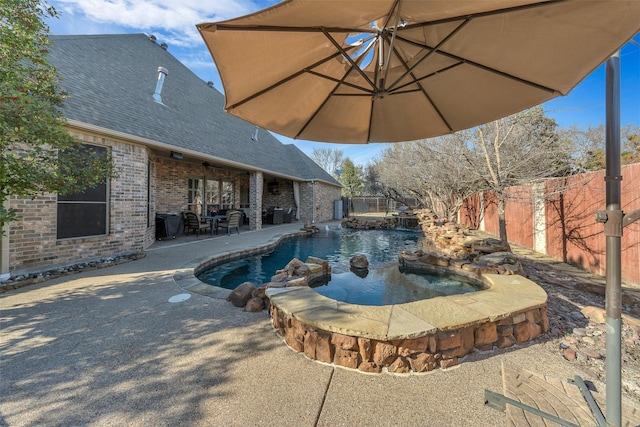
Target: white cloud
(176,20)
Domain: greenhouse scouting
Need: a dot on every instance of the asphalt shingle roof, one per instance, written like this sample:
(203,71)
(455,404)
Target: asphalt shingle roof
(111,79)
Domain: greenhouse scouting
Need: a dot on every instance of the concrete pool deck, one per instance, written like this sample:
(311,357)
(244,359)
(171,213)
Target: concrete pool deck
(107,347)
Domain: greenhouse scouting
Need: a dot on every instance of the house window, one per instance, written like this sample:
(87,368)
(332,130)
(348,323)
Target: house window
(244,196)
(227,195)
(84,213)
(212,196)
(194,196)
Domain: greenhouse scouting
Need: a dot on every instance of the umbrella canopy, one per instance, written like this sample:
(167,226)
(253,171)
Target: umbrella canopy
(358,71)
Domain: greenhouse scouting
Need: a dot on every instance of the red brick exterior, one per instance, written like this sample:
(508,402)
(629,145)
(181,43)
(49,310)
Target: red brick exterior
(147,181)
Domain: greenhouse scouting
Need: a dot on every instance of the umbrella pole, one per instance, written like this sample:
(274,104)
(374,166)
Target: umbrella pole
(613,232)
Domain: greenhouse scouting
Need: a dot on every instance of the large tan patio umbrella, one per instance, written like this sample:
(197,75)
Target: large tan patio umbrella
(358,71)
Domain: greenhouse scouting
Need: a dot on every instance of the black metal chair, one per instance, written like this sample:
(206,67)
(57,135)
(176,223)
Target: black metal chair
(193,222)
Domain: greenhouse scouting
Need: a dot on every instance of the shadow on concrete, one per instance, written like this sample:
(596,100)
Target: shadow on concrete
(121,349)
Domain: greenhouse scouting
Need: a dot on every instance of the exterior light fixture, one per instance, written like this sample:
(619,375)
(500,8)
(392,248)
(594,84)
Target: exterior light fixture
(176,156)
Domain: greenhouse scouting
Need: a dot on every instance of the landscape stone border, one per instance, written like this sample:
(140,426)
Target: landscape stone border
(31,278)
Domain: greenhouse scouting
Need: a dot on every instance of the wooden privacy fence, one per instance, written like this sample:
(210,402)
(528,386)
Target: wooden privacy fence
(556,217)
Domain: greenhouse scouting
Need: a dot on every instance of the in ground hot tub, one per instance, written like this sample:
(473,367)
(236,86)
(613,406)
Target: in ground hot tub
(413,337)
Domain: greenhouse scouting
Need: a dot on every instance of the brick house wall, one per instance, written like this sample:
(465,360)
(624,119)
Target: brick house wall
(32,239)
(324,195)
(283,198)
(146,182)
(172,182)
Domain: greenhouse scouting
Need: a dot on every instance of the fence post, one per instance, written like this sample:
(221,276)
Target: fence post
(481,226)
(539,218)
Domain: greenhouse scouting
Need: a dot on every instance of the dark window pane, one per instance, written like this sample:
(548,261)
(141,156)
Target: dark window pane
(96,194)
(83,213)
(81,219)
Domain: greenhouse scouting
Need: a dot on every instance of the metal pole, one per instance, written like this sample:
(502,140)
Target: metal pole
(613,236)
(313,201)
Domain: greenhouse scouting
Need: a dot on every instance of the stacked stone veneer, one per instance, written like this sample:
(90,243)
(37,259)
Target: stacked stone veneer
(442,349)
(403,220)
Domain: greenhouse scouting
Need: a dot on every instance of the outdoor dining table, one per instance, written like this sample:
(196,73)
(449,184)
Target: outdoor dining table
(214,220)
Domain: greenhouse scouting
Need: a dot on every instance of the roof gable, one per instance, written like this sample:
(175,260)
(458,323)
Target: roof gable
(111,79)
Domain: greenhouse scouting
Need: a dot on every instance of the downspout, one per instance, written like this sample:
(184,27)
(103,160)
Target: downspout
(4,250)
(313,202)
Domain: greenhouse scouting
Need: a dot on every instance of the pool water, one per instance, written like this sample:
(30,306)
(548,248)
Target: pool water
(383,284)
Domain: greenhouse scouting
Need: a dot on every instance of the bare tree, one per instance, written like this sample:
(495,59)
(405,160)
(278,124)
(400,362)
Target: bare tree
(514,150)
(588,146)
(399,174)
(328,159)
(430,171)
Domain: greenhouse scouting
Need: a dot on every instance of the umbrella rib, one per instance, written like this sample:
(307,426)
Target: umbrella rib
(367,92)
(333,91)
(393,38)
(289,78)
(417,80)
(348,58)
(285,29)
(424,92)
(431,52)
(315,113)
(390,14)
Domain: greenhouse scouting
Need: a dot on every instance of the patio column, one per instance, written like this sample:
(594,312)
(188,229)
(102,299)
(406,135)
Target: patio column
(256,184)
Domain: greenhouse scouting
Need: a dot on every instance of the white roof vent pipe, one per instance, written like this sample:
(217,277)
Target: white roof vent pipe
(162,73)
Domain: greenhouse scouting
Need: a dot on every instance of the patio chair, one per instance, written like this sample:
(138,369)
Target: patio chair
(287,216)
(274,215)
(232,221)
(192,222)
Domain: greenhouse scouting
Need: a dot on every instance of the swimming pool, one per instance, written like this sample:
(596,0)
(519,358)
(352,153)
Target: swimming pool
(383,284)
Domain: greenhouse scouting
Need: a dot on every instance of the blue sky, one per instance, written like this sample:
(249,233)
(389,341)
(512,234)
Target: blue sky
(173,22)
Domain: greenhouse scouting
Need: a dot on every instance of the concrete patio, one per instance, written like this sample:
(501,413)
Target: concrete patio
(107,347)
